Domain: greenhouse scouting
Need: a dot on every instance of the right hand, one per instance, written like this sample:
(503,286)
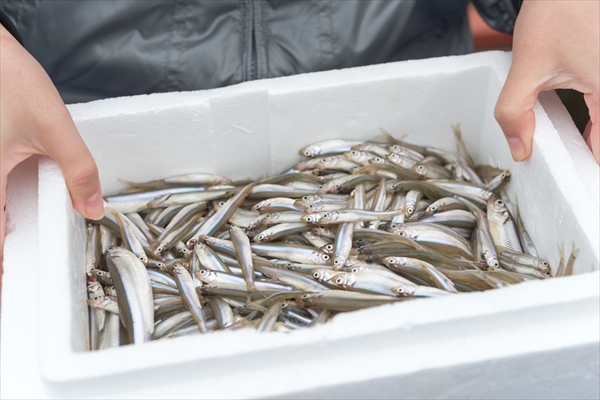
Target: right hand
(36,121)
(555,45)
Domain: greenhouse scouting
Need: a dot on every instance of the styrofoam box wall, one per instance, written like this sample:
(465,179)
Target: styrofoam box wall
(254,130)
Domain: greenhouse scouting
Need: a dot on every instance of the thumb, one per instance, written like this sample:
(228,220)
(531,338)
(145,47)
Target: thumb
(63,143)
(514,109)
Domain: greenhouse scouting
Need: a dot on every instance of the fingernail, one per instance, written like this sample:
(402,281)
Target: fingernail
(94,207)
(516,148)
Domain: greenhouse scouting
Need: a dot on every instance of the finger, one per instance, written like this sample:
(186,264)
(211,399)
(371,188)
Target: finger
(514,108)
(63,143)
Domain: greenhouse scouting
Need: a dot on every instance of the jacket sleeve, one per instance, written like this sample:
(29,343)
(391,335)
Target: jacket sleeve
(10,27)
(499,14)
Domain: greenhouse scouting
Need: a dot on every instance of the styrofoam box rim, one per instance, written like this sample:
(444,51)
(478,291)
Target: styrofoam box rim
(62,243)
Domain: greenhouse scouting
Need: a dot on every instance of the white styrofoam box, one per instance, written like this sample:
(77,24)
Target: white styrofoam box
(255,129)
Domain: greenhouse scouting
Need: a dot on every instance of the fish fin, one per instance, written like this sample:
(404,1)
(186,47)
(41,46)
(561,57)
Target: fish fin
(560,271)
(561,251)
(127,183)
(572,258)
(461,146)
(391,139)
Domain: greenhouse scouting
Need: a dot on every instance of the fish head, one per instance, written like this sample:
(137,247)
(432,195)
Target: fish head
(393,261)
(263,236)
(327,249)
(329,217)
(333,186)
(339,261)
(377,160)
(311,150)
(217,204)
(541,265)
(405,231)
(312,218)
(314,207)
(420,169)
(111,291)
(208,240)
(492,261)
(206,275)
(305,300)
(143,258)
(322,275)
(184,252)
(260,205)
(270,219)
(343,279)
(362,147)
(403,290)
(319,258)
(179,269)
(395,158)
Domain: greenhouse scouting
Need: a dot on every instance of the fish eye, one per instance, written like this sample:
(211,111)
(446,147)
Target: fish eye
(545,263)
(316,274)
(184,251)
(402,233)
(329,247)
(261,237)
(307,153)
(410,210)
(496,264)
(337,186)
(326,215)
(336,262)
(433,208)
(421,168)
(325,257)
(309,219)
(354,269)
(338,280)
(304,296)
(159,249)
(203,272)
(499,203)
(305,198)
(142,259)
(353,152)
(159,264)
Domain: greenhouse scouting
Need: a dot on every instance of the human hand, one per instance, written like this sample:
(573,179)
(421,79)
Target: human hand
(555,45)
(36,121)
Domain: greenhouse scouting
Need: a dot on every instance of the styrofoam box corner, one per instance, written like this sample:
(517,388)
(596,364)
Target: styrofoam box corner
(255,129)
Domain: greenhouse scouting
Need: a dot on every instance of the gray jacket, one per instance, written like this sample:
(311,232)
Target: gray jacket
(100,49)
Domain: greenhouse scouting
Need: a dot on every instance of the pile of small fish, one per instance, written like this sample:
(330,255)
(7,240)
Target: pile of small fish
(355,225)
